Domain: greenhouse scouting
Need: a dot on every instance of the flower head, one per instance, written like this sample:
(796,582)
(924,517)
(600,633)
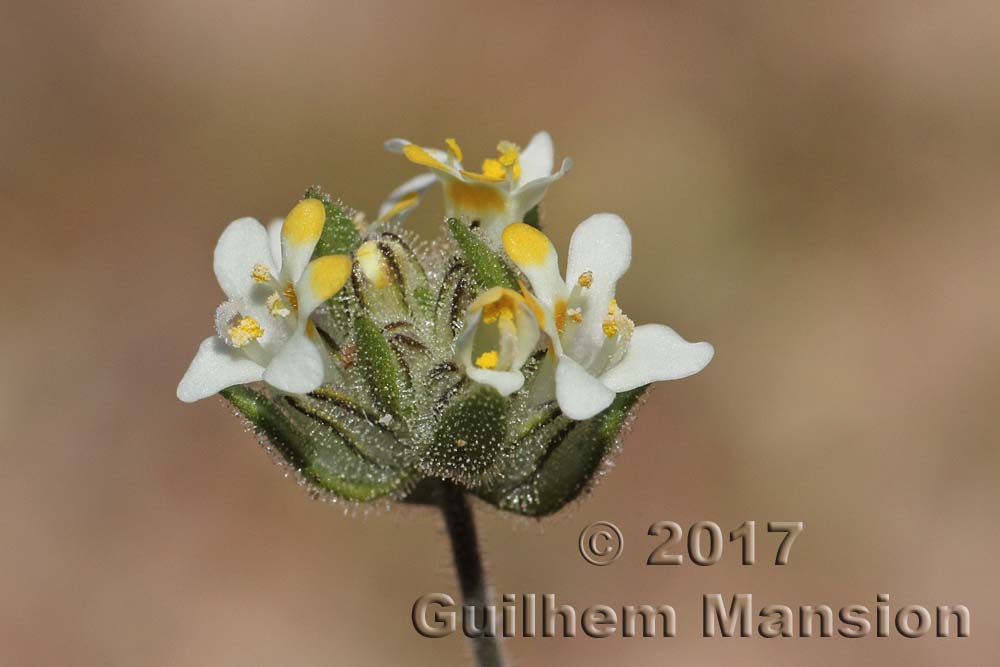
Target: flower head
(596,349)
(501,192)
(499,336)
(263,330)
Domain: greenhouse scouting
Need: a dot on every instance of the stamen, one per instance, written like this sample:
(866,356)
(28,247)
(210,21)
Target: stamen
(616,321)
(293,298)
(246,330)
(509,153)
(575,315)
(277,307)
(560,316)
(488,360)
(497,310)
(260,273)
(586,279)
(610,327)
(493,169)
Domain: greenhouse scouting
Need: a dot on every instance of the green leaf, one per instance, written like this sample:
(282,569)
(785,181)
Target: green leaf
(379,366)
(320,453)
(340,235)
(469,438)
(534,217)
(488,268)
(566,466)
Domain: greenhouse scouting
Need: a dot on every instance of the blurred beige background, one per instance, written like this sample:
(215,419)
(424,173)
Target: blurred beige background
(813,189)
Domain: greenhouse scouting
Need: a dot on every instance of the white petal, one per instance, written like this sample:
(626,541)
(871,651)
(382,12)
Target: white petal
(243,244)
(602,245)
(505,382)
(543,383)
(417,184)
(534,254)
(528,194)
(580,394)
(396,145)
(464,342)
(537,158)
(298,368)
(528,332)
(322,278)
(657,353)
(274,236)
(215,367)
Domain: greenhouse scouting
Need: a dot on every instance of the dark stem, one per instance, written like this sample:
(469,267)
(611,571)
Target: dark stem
(469,565)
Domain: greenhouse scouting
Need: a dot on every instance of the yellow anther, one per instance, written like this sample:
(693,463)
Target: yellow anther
(494,170)
(498,310)
(610,327)
(293,298)
(277,307)
(455,149)
(488,360)
(260,273)
(586,279)
(509,153)
(616,320)
(575,314)
(246,330)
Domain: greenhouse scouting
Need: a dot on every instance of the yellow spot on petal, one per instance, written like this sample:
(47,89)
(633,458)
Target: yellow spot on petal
(560,315)
(260,273)
(404,204)
(488,360)
(454,148)
(526,245)
(473,197)
(245,331)
(418,155)
(327,275)
(586,279)
(372,264)
(304,223)
(529,298)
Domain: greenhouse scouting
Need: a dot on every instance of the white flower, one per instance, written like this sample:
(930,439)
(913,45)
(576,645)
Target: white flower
(499,336)
(597,350)
(263,330)
(503,192)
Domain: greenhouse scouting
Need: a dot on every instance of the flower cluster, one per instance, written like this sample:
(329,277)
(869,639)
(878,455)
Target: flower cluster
(374,364)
